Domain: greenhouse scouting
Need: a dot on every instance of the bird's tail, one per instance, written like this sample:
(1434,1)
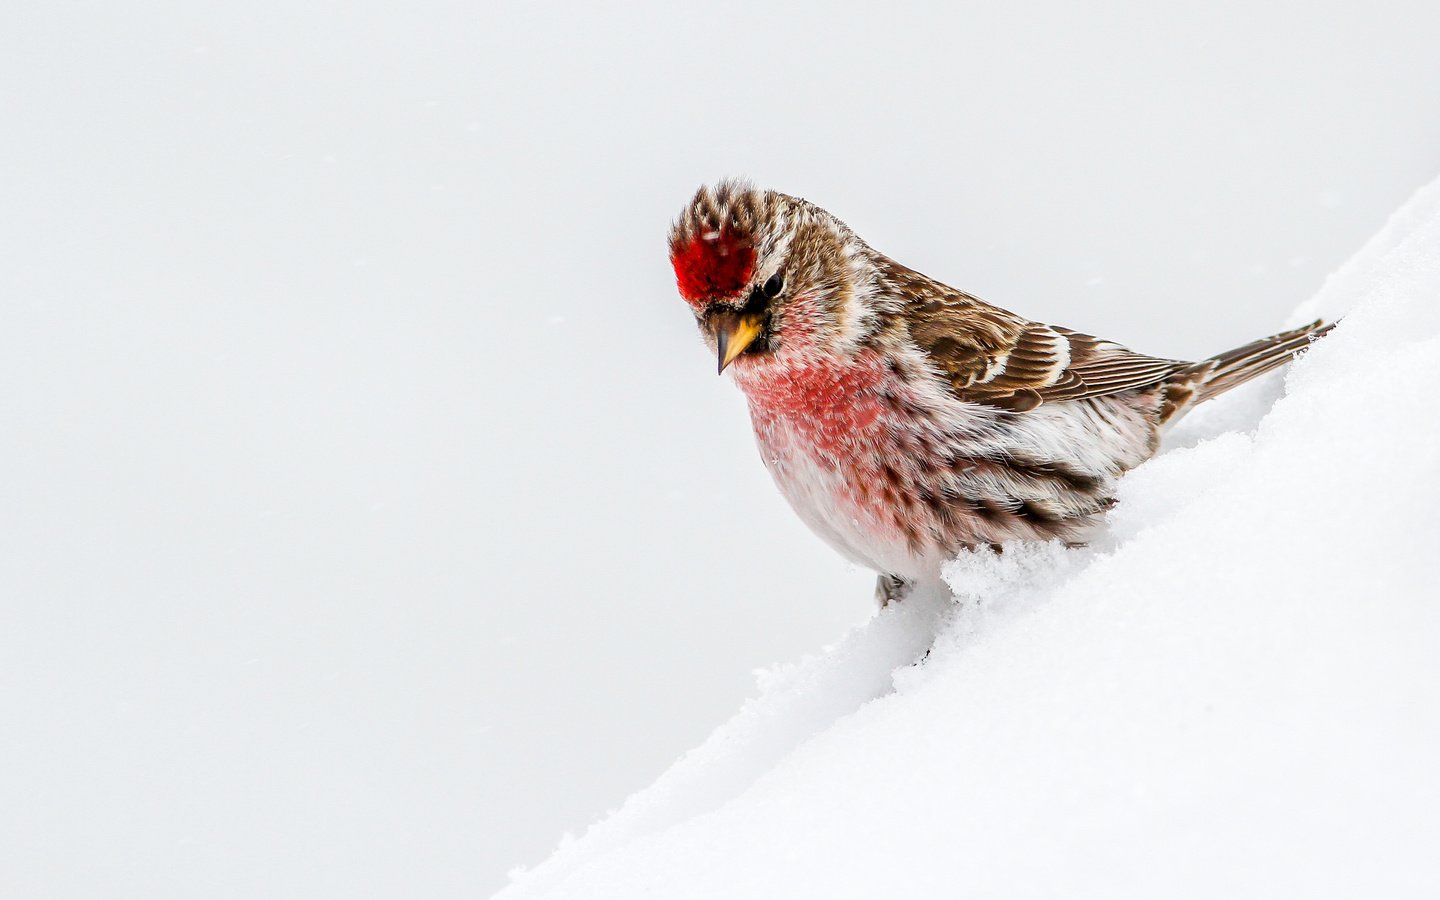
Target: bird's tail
(1218,374)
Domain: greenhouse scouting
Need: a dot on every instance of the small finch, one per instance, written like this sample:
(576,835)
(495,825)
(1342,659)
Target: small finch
(905,420)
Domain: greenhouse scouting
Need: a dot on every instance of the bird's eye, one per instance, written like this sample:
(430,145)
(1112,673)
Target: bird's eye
(773,286)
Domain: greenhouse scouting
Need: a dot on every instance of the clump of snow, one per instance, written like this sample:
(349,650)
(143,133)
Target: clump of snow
(1237,692)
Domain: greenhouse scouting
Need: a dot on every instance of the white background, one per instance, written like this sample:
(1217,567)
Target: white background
(369,510)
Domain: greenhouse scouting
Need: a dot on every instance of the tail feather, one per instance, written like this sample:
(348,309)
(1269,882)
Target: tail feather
(1214,376)
(1235,367)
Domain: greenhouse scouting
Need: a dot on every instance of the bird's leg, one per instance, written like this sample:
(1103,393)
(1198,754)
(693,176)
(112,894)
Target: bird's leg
(890,589)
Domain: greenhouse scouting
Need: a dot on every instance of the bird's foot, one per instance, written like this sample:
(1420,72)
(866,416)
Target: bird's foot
(890,589)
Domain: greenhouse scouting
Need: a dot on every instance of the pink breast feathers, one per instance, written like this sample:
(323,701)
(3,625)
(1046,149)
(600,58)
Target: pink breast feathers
(827,405)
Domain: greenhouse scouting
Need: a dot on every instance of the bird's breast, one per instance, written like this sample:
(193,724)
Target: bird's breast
(824,402)
(898,475)
(843,443)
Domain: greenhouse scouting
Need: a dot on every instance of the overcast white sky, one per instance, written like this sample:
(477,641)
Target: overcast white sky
(369,510)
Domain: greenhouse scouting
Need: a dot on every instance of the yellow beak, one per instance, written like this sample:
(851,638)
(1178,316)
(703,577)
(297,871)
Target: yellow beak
(734,332)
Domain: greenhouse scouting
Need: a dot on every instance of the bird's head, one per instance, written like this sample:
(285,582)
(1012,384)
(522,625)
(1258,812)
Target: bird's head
(770,276)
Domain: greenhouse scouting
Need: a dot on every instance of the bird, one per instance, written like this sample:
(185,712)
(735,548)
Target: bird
(906,421)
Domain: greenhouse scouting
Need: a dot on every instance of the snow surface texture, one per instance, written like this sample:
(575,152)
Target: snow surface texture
(1237,694)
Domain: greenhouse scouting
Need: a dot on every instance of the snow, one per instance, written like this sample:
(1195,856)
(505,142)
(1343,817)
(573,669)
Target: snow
(1236,693)
(333,566)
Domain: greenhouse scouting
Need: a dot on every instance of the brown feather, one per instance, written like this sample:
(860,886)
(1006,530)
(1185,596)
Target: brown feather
(994,357)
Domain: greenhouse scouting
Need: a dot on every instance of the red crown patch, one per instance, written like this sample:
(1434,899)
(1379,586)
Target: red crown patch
(712,265)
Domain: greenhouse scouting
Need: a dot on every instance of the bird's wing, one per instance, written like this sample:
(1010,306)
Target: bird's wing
(995,357)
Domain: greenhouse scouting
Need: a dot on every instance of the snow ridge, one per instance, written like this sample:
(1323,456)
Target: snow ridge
(1236,693)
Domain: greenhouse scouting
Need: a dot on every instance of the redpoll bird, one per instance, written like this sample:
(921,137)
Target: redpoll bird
(905,420)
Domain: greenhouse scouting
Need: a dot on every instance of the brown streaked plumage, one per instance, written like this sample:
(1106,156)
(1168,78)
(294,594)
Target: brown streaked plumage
(906,420)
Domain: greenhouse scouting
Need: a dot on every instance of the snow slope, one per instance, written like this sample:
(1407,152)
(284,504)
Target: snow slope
(1237,694)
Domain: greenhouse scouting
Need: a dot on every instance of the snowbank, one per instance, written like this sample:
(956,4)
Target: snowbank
(1237,694)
